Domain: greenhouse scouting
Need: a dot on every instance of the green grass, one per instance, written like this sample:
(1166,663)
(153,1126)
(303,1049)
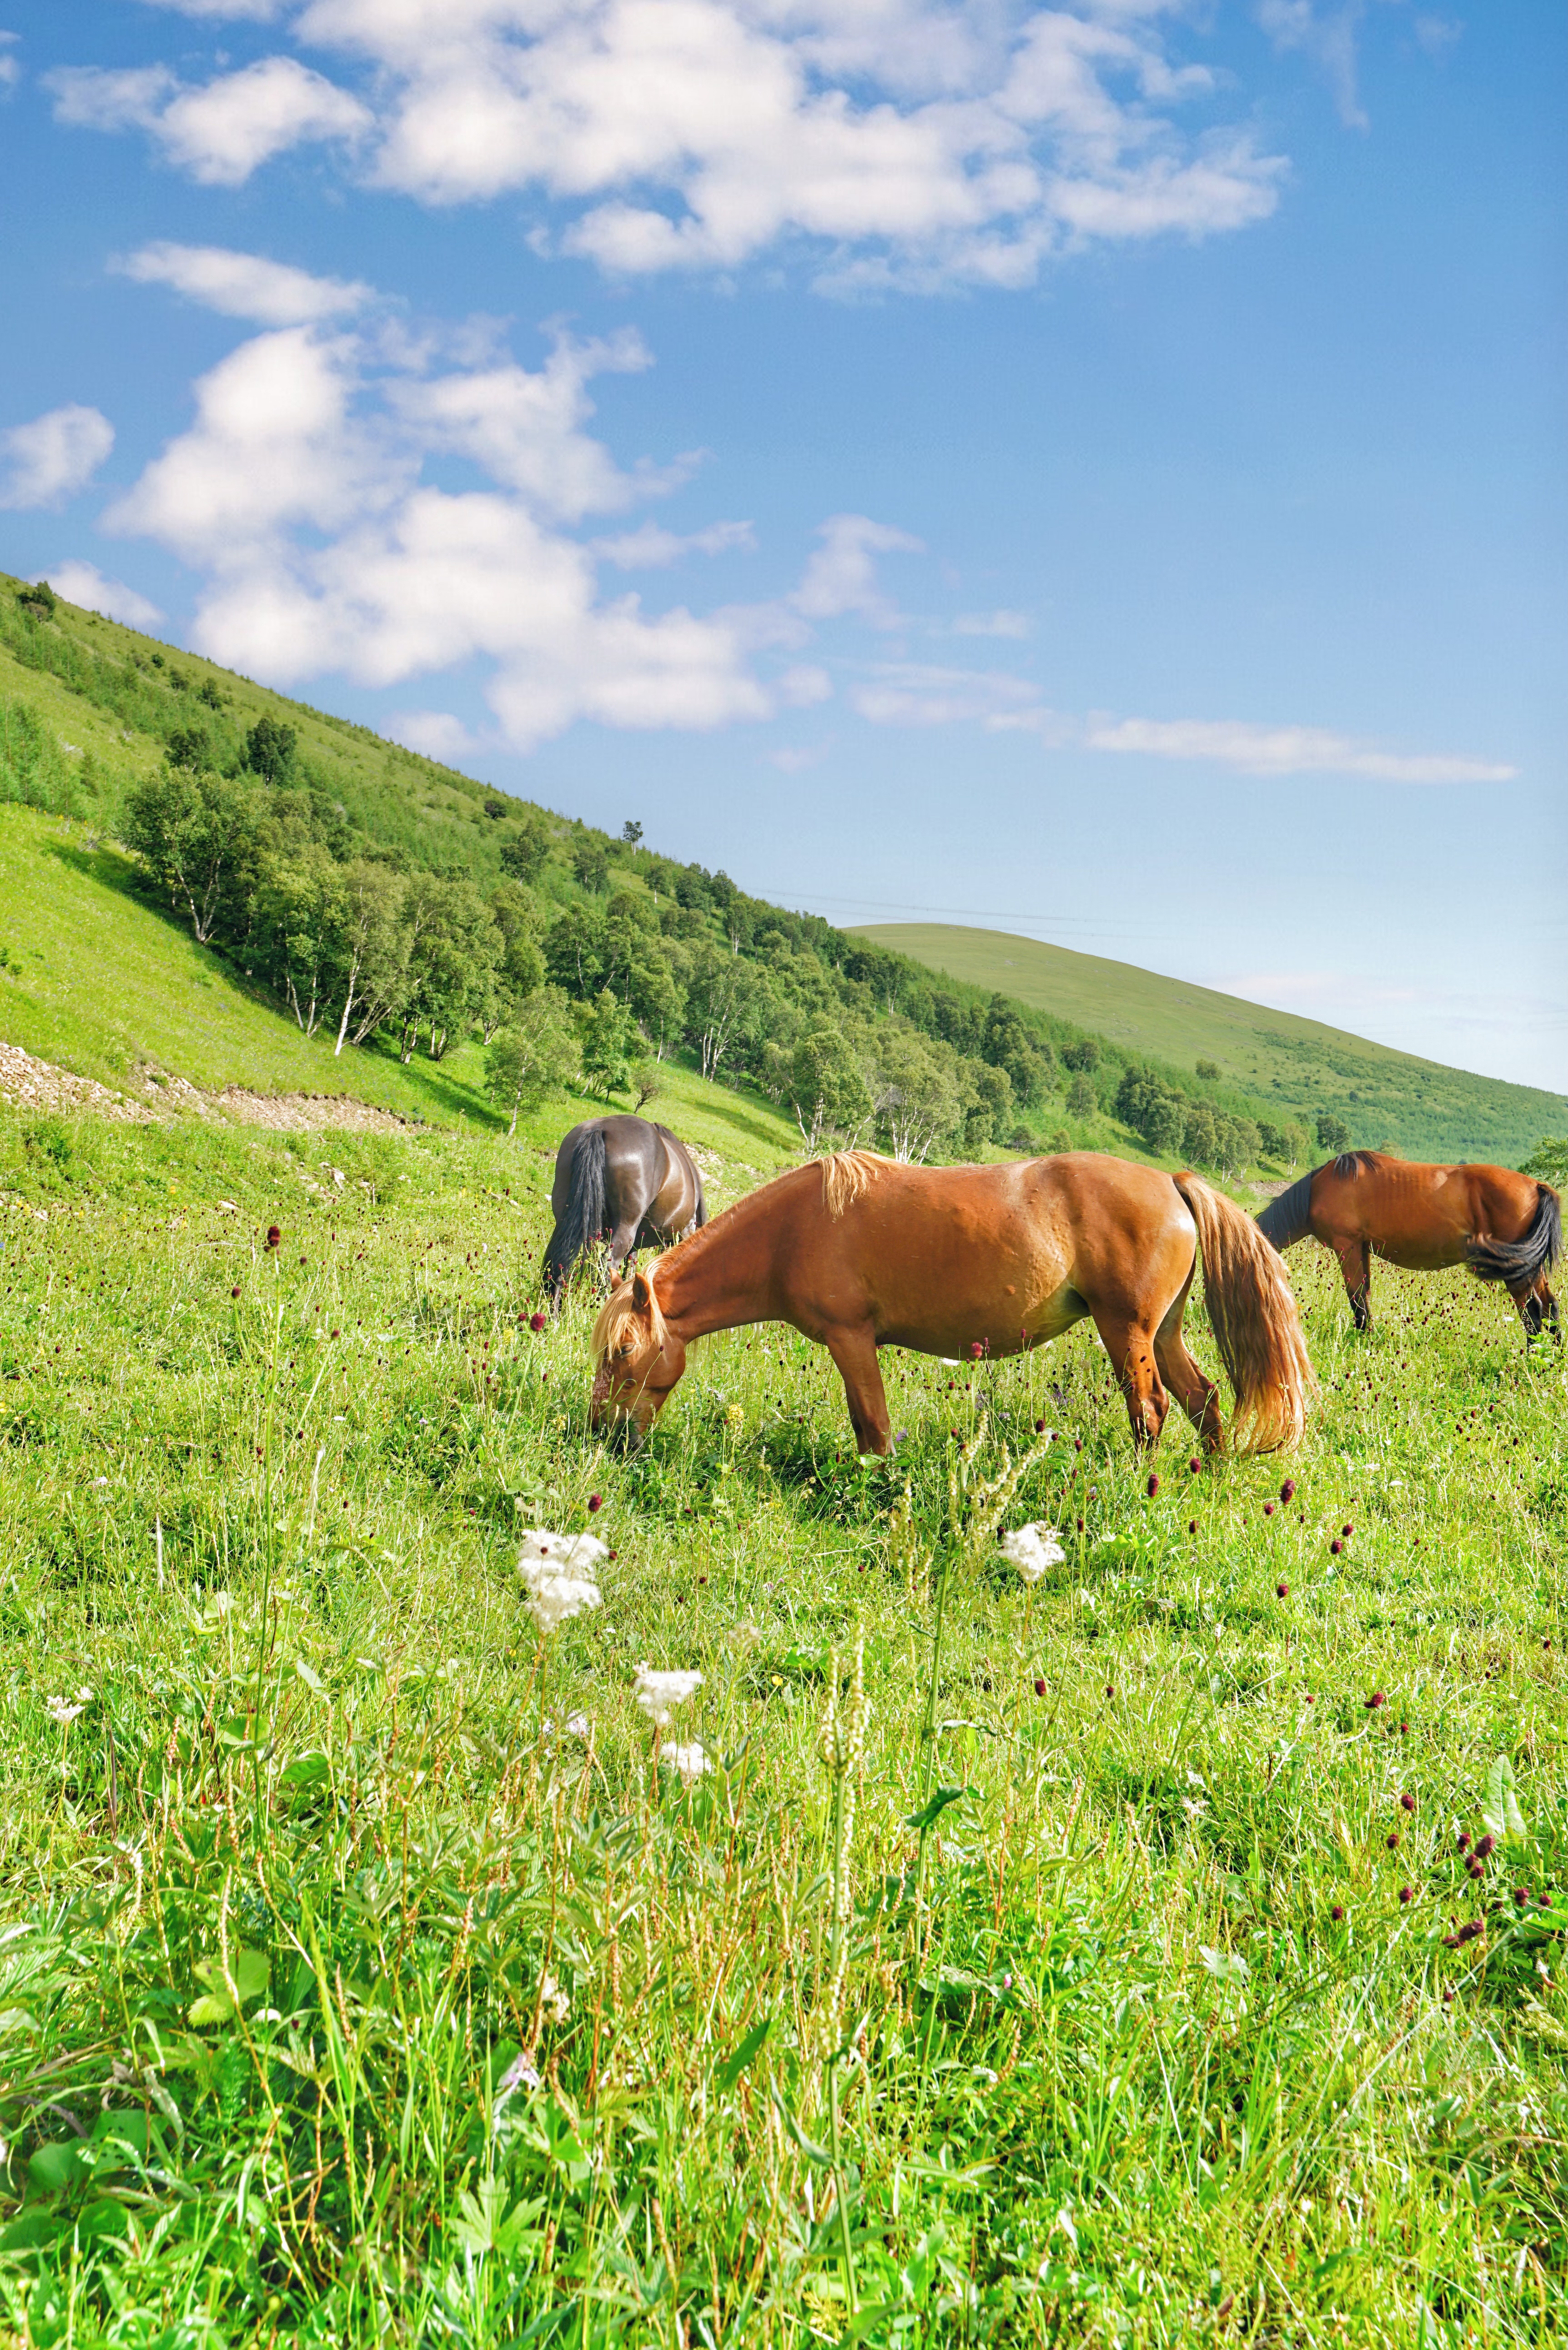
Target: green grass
(1420,1108)
(324,1849)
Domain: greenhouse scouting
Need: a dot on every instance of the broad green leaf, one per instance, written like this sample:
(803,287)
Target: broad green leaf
(1500,1810)
(808,2147)
(930,1813)
(727,2073)
(311,1678)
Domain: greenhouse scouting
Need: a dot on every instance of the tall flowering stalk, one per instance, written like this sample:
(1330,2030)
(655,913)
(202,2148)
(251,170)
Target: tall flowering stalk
(843,1748)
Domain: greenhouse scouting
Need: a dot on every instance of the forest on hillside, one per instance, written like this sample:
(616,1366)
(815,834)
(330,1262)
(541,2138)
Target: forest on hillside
(304,854)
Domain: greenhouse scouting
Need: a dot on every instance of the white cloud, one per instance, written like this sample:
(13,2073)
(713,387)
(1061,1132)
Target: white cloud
(990,624)
(297,493)
(651,547)
(1326,36)
(221,133)
(841,577)
(1284,751)
(434,733)
(915,693)
(245,284)
(909,142)
(52,458)
(254,12)
(10,65)
(84,584)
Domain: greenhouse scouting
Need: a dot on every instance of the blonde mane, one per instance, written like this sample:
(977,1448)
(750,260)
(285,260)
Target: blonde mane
(845,1177)
(618,1312)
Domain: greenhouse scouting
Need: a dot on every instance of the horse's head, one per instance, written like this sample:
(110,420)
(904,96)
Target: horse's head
(637,1358)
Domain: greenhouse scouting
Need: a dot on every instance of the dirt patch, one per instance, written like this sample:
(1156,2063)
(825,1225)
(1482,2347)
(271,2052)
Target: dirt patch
(33,1084)
(39,1084)
(308,1113)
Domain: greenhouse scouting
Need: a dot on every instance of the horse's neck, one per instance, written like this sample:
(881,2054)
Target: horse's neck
(715,1280)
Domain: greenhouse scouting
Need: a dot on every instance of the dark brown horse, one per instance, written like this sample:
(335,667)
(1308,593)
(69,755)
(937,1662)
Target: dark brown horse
(860,1252)
(621,1179)
(1505,1227)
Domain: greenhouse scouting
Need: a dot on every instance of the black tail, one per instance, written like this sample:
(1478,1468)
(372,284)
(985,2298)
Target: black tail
(1288,1218)
(1517,1262)
(585,1220)
(702,1216)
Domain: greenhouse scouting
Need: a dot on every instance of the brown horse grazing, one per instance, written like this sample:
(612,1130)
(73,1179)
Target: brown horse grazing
(1505,1227)
(860,1252)
(622,1179)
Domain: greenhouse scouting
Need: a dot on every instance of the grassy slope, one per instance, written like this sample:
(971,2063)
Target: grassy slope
(1129,2067)
(1421,1108)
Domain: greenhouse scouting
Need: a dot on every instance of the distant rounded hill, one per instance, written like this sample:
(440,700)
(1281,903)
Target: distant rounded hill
(1421,1108)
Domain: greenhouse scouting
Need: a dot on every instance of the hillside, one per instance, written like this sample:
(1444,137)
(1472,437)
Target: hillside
(1420,1108)
(469,899)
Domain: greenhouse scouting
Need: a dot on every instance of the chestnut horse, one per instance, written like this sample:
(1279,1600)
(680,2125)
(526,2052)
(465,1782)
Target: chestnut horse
(622,1179)
(1505,1227)
(860,1252)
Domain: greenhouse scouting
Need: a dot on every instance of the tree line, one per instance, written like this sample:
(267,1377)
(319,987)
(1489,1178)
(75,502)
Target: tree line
(588,957)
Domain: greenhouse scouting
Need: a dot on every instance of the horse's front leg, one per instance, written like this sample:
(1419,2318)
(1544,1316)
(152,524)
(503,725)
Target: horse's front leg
(1131,1348)
(855,1352)
(1356,1263)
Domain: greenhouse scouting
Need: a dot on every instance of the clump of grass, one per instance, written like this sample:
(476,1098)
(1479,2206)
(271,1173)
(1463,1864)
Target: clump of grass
(365,1975)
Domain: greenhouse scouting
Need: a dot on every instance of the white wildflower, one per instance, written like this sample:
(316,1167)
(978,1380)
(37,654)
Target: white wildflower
(62,1712)
(554,2004)
(554,1596)
(579,1554)
(1032,1549)
(690,1760)
(521,2074)
(659,1694)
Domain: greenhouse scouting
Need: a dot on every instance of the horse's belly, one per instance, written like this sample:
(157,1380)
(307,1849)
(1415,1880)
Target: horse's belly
(1004,1324)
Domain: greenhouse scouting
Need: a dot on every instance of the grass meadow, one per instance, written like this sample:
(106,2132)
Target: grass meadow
(1093,1973)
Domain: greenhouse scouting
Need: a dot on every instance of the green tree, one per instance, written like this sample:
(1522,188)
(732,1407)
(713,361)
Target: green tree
(1273,1139)
(455,949)
(199,836)
(370,950)
(631,832)
(1207,1070)
(1298,1141)
(722,998)
(656,997)
(989,1107)
(916,1093)
(1083,1056)
(189,749)
(526,854)
(590,863)
(1332,1134)
(269,749)
(1548,1162)
(516,913)
(37,599)
(1007,1045)
(1082,1099)
(536,1051)
(1200,1140)
(575,951)
(300,916)
(825,1087)
(1240,1145)
(609,1041)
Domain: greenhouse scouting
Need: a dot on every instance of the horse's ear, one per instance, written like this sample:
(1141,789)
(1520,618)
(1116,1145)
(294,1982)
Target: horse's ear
(641,1295)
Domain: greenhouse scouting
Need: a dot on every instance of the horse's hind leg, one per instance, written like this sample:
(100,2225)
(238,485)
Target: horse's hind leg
(1198,1396)
(1537,1307)
(1356,1263)
(855,1352)
(1131,1348)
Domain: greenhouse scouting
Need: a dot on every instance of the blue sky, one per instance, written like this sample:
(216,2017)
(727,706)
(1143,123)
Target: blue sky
(1096,471)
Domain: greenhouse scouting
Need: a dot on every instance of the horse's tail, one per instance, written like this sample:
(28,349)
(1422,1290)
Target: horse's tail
(584,1218)
(1253,1315)
(1520,1261)
(1288,1218)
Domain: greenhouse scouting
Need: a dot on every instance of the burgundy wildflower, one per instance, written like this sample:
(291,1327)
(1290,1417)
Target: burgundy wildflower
(1406,1893)
(1039,1428)
(1347,1531)
(1520,1896)
(1337,1912)
(1288,1490)
(1486,1844)
(235,1291)
(1268,1509)
(595,1501)
(1375,1700)
(1462,1840)
(273,1236)
(1153,1486)
(1039,1689)
(536,1321)
(1392,1839)
(1335,1546)
(1193,1525)
(1406,1802)
(1282,1590)
(1195,1464)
